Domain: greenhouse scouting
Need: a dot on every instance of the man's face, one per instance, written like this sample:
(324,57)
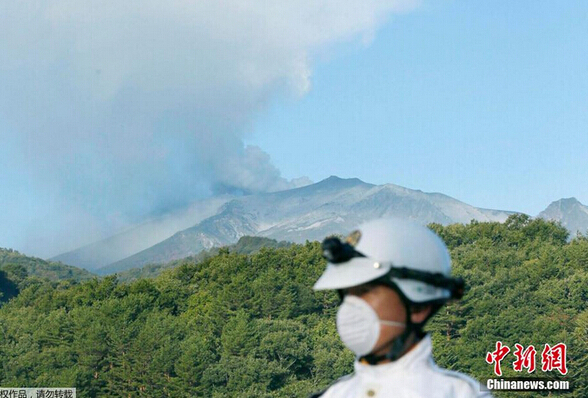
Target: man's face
(389,307)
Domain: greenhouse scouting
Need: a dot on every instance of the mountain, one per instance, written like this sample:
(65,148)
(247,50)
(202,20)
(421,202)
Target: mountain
(334,205)
(570,212)
(10,259)
(245,245)
(141,237)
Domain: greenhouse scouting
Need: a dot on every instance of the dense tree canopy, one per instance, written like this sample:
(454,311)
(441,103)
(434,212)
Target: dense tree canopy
(249,325)
(245,245)
(12,259)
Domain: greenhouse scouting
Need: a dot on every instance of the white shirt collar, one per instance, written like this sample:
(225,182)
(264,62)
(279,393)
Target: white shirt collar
(419,354)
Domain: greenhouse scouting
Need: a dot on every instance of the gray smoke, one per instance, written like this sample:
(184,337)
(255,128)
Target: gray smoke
(112,111)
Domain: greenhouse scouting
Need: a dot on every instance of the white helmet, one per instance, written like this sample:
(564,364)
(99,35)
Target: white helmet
(405,253)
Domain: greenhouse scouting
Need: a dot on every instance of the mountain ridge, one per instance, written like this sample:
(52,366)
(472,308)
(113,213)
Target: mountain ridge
(38,267)
(139,237)
(333,205)
(570,212)
(311,212)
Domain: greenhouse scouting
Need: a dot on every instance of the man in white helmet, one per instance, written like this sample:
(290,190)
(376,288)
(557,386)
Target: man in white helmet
(392,276)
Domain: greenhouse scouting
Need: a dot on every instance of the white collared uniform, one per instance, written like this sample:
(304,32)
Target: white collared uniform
(414,375)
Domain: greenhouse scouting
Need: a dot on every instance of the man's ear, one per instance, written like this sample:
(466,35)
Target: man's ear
(419,314)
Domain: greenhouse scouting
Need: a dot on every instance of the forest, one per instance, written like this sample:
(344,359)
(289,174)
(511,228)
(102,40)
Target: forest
(236,324)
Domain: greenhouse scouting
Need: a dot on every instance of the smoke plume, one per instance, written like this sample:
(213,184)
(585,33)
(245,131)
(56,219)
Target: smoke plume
(114,111)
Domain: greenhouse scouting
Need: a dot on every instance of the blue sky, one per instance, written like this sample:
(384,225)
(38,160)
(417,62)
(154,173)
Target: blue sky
(484,101)
(114,112)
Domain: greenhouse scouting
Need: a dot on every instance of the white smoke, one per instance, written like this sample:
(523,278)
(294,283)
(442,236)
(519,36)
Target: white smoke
(134,107)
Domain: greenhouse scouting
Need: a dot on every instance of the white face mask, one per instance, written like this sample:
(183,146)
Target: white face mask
(359,326)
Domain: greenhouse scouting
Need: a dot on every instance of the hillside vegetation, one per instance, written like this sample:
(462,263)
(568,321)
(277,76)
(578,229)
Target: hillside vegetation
(238,325)
(18,271)
(11,259)
(245,245)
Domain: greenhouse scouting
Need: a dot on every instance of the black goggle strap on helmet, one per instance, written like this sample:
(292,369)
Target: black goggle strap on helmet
(455,286)
(337,252)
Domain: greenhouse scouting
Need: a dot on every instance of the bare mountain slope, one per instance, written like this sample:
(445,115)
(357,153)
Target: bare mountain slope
(570,212)
(140,237)
(334,205)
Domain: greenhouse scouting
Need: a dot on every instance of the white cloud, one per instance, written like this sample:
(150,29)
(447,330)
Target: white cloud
(144,103)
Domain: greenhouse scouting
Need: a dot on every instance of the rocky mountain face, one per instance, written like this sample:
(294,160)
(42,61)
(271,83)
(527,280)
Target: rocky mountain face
(141,237)
(334,205)
(570,213)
